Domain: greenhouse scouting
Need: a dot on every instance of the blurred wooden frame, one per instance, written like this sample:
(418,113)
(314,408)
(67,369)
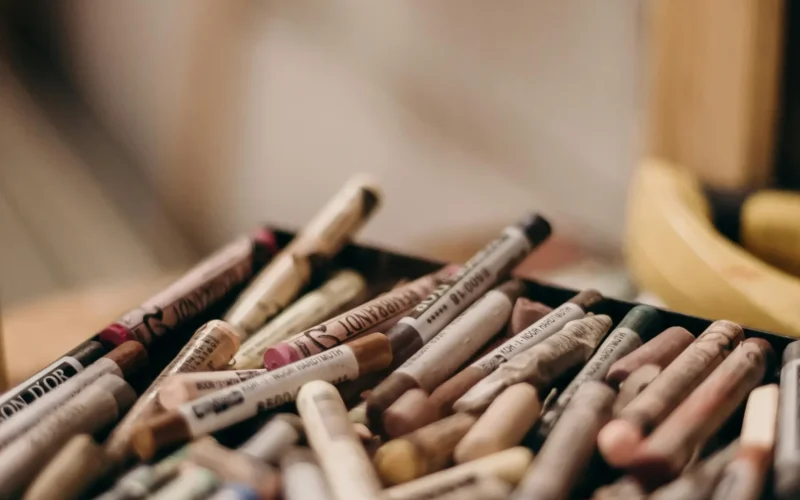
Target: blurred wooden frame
(715,81)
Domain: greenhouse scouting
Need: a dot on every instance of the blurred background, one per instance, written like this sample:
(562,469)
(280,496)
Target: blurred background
(135,137)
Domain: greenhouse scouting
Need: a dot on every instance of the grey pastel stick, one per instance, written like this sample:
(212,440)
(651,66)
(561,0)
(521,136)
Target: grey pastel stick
(192,483)
(638,326)
(447,393)
(143,480)
(277,436)
(93,409)
(567,452)
(660,351)
(302,477)
(24,394)
(699,482)
(61,479)
(787,448)
(449,349)
(541,365)
(122,361)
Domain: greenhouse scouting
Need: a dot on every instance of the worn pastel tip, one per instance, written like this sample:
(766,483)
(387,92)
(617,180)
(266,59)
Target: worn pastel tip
(116,334)
(279,355)
(266,238)
(618,442)
(397,462)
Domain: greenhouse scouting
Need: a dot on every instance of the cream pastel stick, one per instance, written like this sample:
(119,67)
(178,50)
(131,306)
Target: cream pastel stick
(508,466)
(338,449)
(92,410)
(621,437)
(341,290)
(447,350)
(483,488)
(745,477)
(278,284)
(663,455)
(247,399)
(660,351)
(270,442)
(183,387)
(446,394)
(377,315)
(303,478)
(504,424)
(565,455)
(540,365)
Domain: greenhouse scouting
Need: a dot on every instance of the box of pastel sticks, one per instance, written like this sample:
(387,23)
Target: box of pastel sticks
(286,366)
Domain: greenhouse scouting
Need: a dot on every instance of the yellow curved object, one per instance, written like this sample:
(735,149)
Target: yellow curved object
(770,228)
(674,250)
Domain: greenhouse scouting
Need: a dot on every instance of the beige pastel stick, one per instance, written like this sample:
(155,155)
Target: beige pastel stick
(302,476)
(744,478)
(410,412)
(634,384)
(525,313)
(661,350)
(123,361)
(699,482)
(668,449)
(504,424)
(277,285)
(92,410)
(619,440)
(508,466)
(247,399)
(339,451)
(270,442)
(447,393)
(422,452)
(482,488)
(61,479)
(540,365)
(182,387)
(569,448)
(192,483)
(441,356)
(211,348)
(341,290)
(234,467)
(624,488)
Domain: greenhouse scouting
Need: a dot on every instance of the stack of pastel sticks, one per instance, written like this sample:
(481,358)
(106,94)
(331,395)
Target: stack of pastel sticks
(272,371)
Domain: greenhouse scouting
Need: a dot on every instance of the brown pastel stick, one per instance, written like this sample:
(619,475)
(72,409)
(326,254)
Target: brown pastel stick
(123,361)
(668,449)
(621,437)
(744,478)
(409,413)
(634,384)
(449,392)
(422,452)
(698,483)
(441,356)
(182,387)
(62,478)
(92,410)
(507,420)
(210,348)
(234,467)
(540,365)
(525,313)
(660,351)
(624,488)
(484,487)
(570,446)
